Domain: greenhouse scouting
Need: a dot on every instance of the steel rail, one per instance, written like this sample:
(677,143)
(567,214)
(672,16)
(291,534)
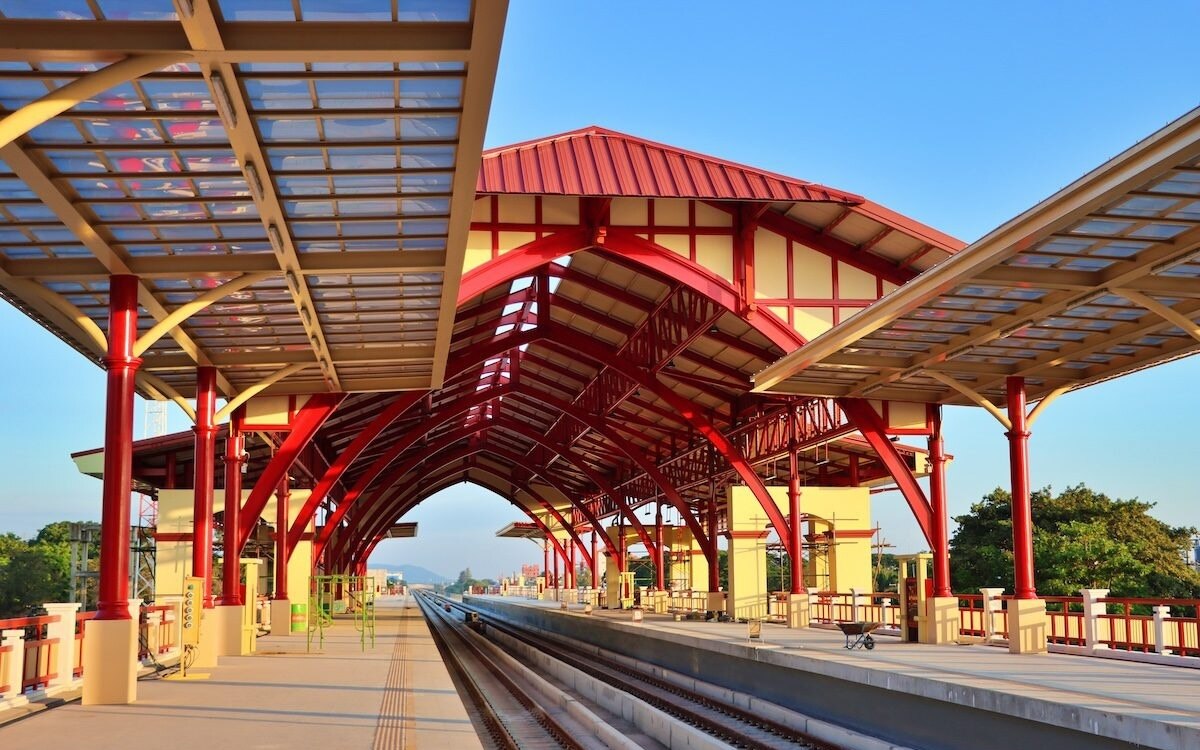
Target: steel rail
(725,721)
(507,731)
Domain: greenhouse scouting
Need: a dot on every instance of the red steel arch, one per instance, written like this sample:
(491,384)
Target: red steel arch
(381,513)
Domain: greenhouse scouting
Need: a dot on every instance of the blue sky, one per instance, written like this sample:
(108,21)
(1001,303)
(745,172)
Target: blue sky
(958,114)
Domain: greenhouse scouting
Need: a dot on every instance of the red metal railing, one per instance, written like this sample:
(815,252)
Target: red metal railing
(161,632)
(80,618)
(971,615)
(1065,615)
(37,661)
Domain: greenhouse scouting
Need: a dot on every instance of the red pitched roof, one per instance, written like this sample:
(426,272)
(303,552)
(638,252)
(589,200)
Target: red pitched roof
(599,162)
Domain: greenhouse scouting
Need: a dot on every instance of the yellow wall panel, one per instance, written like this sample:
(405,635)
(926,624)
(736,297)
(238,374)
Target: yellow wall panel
(770,265)
(671,213)
(510,240)
(560,210)
(854,283)
(475,257)
(482,210)
(849,312)
(811,322)
(889,287)
(518,209)
(628,212)
(676,243)
(905,415)
(716,254)
(270,410)
(812,274)
(707,216)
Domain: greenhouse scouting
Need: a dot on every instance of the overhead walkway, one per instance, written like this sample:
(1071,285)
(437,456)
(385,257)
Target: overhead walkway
(396,695)
(916,694)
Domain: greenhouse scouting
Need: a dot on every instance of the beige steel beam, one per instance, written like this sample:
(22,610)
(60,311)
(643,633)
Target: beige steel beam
(487,31)
(187,310)
(1169,314)
(355,385)
(242,41)
(225,411)
(28,171)
(39,111)
(275,356)
(208,266)
(1182,246)
(200,25)
(1175,144)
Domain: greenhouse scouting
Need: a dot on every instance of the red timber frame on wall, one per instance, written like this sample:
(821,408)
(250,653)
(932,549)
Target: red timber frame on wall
(681,317)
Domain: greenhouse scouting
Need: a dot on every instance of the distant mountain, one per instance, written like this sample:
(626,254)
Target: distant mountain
(417,574)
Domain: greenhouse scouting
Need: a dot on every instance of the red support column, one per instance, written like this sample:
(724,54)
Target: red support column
(937,501)
(546,562)
(121,367)
(556,567)
(660,557)
(794,522)
(282,498)
(571,583)
(1022,510)
(203,481)
(231,570)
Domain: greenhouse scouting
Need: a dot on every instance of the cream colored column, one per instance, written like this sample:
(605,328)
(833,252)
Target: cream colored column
(110,649)
(64,631)
(1027,626)
(747,555)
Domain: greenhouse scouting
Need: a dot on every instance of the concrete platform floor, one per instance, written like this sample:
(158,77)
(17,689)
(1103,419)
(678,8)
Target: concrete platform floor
(397,695)
(1050,686)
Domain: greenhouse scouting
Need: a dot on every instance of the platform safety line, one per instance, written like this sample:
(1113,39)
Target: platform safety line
(391,733)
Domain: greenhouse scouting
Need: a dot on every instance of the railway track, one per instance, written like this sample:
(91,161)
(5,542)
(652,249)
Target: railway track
(513,719)
(725,722)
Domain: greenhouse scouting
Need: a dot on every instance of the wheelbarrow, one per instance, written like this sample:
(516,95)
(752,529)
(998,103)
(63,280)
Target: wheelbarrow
(858,634)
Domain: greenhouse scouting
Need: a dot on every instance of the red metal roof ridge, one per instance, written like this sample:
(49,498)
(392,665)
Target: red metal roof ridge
(158,441)
(835,195)
(920,230)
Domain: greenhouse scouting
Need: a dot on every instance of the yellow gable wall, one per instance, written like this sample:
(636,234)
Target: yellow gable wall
(801,293)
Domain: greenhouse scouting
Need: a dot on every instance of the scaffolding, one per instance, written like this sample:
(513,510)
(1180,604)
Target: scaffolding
(341,595)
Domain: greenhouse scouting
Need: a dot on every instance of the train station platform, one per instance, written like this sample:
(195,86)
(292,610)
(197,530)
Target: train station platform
(917,695)
(395,695)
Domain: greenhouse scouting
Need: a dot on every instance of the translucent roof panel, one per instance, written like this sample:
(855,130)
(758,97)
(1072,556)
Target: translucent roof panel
(1086,288)
(337,158)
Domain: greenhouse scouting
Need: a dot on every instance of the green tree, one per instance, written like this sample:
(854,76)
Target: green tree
(1082,539)
(34,572)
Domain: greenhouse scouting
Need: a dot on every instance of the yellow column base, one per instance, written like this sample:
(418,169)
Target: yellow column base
(110,648)
(281,617)
(227,622)
(204,656)
(1027,626)
(798,611)
(941,620)
(716,601)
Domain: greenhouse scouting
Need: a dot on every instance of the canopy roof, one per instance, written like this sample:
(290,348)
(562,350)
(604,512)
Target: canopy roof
(521,530)
(1099,280)
(326,149)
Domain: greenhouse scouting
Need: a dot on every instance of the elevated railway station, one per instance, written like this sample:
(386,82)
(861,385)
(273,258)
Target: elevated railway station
(290,209)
